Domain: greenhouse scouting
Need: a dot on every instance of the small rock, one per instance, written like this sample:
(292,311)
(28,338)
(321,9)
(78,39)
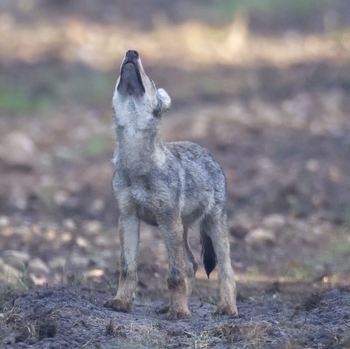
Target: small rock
(312,165)
(93,227)
(82,242)
(97,206)
(38,266)
(94,273)
(260,235)
(66,237)
(16,259)
(19,198)
(58,262)
(18,149)
(274,221)
(4,221)
(24,232)
(69,224)
(51,234)
(38,280)
(102,241)
(8,273)
(238,231)
(61,197)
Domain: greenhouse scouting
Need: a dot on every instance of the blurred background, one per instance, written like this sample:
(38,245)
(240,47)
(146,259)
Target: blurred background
(263,84)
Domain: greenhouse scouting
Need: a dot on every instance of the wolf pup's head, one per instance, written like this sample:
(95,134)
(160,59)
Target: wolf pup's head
(136,93)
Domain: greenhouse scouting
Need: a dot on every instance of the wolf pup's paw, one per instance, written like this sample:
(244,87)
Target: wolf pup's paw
(226,309)
(117,304)
(177,314)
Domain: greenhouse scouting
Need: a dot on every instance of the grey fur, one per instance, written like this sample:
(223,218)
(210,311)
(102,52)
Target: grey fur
(170,185)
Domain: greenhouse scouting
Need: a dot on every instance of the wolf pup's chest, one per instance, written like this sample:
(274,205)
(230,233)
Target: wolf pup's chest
(144,200)
(140,191)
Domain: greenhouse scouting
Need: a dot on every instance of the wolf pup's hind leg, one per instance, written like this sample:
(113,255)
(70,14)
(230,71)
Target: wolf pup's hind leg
(191,264)
(213,227)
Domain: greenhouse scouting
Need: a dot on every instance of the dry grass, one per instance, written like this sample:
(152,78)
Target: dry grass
(256,333)
(25,328)
(191,44)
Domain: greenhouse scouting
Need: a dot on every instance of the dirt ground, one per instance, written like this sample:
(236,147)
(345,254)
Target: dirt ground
(273,108)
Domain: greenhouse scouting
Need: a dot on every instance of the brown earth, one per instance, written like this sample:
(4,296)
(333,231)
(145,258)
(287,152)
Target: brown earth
(279,126)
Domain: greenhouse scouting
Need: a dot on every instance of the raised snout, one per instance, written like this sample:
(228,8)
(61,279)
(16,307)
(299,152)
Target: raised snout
(132,55)
(130,82)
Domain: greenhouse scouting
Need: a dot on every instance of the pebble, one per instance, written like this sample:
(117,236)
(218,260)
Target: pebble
(93,227)
(66,237)
(69,224)
(274,221)
(238,231)
(94,273)
(57,262)
(38,280)
(16,259)
(9,273)
(61,197)
(102,241)
(19,198)
(18,149)
(260,235)
(4,221)
(97,206)
(82,242)
(38,266)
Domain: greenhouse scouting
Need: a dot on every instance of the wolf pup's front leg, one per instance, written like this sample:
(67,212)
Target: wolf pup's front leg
(129,232)
(172,232)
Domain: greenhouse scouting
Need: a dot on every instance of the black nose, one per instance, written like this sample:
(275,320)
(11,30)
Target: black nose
(132,54)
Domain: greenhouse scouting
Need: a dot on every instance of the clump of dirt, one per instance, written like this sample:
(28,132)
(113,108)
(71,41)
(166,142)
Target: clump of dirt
(312,302)
(115,330)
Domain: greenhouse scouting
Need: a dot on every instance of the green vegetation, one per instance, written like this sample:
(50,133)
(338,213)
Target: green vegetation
(23,281)
(233,6)
(97,145)
(19,100)
(14,99)
(82,86)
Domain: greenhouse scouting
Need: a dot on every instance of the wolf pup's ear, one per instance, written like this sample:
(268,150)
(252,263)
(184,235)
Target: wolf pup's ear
(165,98)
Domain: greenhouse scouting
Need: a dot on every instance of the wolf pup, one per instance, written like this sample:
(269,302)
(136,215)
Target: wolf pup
(169,185)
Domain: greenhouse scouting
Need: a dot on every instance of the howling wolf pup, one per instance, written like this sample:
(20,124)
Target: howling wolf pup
(169,185)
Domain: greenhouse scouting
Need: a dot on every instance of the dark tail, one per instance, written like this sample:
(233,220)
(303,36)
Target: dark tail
(208,253)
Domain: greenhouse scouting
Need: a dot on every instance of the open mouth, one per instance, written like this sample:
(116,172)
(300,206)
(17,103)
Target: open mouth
(130,79)
(129,65)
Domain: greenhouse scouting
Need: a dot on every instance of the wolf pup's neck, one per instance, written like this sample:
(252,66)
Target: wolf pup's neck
(138,149)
